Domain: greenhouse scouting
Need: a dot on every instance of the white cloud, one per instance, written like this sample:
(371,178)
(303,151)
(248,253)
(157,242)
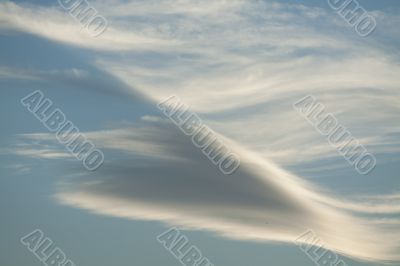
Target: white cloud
(240,65)
(194,194)
(163,177)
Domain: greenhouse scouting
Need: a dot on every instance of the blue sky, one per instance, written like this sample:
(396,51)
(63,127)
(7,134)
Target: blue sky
(239,65)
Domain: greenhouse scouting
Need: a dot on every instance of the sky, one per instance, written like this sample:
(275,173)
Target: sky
(238,65)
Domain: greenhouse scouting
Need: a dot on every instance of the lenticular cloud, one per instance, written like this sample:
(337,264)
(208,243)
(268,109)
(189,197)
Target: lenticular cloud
(259,202)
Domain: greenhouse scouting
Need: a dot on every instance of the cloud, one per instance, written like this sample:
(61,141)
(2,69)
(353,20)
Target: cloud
(37,146)
(240,65)
(10,73)
(55,24)
(163,177)
(20,168)
(34,74)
